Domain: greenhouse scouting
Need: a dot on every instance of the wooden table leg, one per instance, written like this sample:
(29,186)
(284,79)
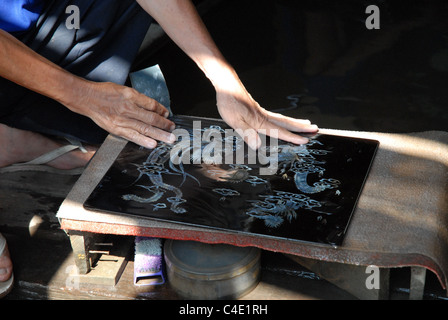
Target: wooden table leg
(417,286)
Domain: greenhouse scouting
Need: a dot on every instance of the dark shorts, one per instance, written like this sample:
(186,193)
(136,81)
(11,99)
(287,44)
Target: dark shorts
(102,49)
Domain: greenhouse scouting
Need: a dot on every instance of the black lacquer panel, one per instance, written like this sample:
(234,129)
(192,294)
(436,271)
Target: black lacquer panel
(310,194)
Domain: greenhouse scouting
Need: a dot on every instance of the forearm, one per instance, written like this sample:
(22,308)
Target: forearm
(183,25)
(23,66)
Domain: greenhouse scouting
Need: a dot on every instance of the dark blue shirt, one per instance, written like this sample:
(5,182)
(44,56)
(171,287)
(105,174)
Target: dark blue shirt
(19,15)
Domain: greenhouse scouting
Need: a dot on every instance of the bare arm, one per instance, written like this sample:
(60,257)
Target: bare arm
(117,109)
(183,25)
(180,20)
(23,66)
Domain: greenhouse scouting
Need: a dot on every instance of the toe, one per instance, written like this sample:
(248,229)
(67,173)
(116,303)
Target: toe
(5,266)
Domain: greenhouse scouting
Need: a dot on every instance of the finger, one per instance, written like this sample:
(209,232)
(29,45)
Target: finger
(249,135)
(292,124)
(150,104)
(130,126)
(154,119)
(137,138)
(271,129)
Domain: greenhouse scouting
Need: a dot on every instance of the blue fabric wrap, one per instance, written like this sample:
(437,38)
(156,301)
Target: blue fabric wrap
(19,15)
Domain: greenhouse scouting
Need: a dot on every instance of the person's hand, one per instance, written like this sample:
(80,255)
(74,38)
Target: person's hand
(118,109)
(240,111)
(124,112)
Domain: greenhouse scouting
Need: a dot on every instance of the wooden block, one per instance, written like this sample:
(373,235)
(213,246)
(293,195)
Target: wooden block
(107,269)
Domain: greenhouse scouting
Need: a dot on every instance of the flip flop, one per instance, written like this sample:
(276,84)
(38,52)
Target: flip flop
(39,164)
(6,286)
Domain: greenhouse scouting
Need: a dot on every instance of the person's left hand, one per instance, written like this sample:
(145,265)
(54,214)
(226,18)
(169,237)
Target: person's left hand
(240,111)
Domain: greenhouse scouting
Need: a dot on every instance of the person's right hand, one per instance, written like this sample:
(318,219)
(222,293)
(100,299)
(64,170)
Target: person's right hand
(124,112)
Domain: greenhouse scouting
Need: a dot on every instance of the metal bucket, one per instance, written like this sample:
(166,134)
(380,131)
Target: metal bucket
(211,271)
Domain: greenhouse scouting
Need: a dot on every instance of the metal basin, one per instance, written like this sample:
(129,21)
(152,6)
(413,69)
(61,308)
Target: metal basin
(211,271)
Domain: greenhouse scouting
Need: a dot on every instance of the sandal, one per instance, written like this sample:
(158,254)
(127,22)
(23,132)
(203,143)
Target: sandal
(6,286)
(39,164)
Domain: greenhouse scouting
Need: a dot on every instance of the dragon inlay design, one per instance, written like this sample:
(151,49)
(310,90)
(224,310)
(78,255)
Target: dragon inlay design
(296,162)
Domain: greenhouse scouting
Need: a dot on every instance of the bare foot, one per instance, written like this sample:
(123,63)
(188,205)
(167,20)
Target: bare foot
(18,146)
(5,265)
